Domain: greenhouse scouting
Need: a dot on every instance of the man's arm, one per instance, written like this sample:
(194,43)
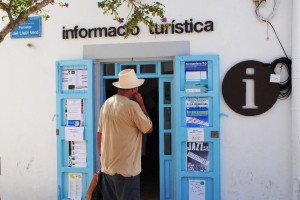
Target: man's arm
(139,99)
(99,139)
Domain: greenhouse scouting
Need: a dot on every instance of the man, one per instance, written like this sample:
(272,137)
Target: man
(121,124)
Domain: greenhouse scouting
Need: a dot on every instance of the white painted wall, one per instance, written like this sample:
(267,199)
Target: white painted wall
(255,151)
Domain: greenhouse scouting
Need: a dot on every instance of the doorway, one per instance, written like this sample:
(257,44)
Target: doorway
(150,147)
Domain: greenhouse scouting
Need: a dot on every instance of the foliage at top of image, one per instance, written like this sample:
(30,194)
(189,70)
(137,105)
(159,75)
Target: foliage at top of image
(14,12)
(138,13)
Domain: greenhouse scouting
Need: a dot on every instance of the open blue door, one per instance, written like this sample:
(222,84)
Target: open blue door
(166,138)
(197,141)
(75,127)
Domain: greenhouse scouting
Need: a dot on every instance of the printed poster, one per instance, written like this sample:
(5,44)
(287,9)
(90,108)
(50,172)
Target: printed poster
(196,189)
(195,134)
(75,79)
(196,74)
(74,133)
(74,186)
(197,156)
(74,112)
(197,112)
(77,154)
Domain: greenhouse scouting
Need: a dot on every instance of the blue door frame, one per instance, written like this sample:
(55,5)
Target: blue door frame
(155,69)
(175,179)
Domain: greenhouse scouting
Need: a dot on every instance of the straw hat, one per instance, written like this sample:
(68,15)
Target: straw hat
(128,80)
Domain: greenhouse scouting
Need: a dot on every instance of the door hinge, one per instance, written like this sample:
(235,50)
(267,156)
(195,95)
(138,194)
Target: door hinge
(57,131)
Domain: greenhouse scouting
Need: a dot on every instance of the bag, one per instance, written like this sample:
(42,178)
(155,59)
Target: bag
(95,189)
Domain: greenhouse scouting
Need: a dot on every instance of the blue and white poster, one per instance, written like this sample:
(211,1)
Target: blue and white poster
(197,112)
(197,156)
(196,74)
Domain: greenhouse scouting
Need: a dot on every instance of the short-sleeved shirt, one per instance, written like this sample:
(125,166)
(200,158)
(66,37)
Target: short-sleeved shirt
(122,122)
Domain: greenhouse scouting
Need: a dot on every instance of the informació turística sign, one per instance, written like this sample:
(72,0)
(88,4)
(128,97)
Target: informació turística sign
(188,26)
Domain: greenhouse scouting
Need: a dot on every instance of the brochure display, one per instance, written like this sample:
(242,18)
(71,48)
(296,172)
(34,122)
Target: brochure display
(197,127)
(75,128)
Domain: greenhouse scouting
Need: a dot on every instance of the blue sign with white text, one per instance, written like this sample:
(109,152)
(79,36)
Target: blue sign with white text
(29,29)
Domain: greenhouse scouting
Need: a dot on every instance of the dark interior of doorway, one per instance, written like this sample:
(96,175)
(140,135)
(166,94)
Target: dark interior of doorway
(150,149)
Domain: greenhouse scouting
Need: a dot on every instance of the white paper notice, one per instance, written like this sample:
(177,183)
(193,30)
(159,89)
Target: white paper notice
(195,134)
(196,190)
(77,154)
(75,79)
(75,186)
(74,109)
(74,133)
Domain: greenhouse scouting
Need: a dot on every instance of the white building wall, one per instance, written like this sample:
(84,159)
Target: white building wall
(255,151)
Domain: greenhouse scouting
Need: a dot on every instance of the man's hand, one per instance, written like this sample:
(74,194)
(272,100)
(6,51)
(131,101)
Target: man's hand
(137,97)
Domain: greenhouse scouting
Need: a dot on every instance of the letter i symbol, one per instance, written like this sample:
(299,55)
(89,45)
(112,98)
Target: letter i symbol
(250,90)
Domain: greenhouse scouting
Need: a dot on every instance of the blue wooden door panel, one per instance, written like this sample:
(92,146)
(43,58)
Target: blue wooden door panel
(86,95)
(166,138)
(209,179)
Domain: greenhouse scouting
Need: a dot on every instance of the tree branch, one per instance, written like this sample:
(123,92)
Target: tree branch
(9,9)
(3,6)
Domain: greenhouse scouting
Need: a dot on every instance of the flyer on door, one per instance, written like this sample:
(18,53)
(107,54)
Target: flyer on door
(197,112)
(196,76)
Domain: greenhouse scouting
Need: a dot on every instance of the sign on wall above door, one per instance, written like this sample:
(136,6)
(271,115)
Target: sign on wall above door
(188,26)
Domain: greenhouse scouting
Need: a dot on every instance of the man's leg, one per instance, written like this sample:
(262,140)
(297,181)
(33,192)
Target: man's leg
(108,188)
(127,187)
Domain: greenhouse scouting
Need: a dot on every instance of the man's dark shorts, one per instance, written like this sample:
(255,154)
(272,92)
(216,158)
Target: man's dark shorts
(118,187)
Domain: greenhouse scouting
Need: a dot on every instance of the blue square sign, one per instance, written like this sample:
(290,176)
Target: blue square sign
(29,29)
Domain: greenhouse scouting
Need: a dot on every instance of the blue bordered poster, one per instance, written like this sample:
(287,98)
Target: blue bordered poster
(196,74)
(197,112)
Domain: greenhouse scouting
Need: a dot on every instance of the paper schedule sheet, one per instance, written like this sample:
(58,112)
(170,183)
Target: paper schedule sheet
(77,154)
(75,186)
